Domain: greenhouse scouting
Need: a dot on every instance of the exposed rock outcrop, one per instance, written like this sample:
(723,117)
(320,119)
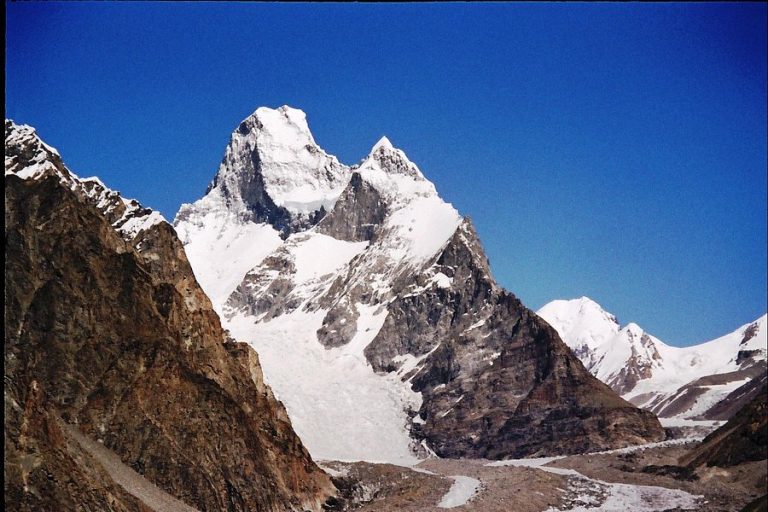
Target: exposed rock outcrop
(743,438)
(107,332)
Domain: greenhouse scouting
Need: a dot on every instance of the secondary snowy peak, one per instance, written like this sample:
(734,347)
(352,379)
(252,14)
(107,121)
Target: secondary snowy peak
(671,381)
(390,171)
(619,356)
(582,323)
(29,158)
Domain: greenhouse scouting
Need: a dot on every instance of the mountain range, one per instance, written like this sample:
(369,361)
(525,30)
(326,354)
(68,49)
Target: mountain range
(711,380)
(302,310)
(374,310)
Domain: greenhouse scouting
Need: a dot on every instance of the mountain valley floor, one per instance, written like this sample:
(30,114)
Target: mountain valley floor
(638,479)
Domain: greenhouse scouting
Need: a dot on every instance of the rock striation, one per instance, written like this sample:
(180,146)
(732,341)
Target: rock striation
(110,342)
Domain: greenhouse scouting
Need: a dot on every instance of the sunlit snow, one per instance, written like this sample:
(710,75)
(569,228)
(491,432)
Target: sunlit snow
(462,490)
(339,407)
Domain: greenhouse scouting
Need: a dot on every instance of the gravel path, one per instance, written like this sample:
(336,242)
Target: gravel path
(135,484)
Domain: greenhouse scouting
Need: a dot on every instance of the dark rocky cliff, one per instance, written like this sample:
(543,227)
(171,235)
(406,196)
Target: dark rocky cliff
(115,338)
(743,438)
(497,380)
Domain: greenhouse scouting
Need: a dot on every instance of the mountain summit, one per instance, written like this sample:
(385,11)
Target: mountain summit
(371,303)
(700,381)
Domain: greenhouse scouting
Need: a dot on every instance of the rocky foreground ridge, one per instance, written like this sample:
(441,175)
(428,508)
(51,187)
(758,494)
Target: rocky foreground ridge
(366,269)
(122,390)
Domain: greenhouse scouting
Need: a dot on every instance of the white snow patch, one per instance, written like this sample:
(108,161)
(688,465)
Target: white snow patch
(338,405)
(533,462)
(135,225)
(683,422)
(318,255)
(441,280)
(646,446)
(637,498)
(425,224)
(408,361)
(621,497)
(344,471)
(222,248)
(475,325)
(462,490)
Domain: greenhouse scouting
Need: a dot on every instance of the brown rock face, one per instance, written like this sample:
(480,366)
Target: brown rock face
(497,381)
(116,338)
(743,438)
(733,403)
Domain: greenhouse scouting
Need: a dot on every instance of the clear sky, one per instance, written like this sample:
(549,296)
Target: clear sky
(616,151)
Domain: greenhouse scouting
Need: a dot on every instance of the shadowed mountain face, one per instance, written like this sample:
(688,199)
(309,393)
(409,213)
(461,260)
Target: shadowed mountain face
(107,332)
(743,438)
(392,285)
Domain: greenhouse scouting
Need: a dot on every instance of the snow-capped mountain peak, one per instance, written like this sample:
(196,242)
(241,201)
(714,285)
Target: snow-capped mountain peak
(669,380)
(581,322)
(273,163)
(386,157)
(274,180)
(393,174)
(382,143)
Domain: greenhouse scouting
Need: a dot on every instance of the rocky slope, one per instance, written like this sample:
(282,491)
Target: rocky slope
(744,438)
(709,381)
(109,339)
(377,318)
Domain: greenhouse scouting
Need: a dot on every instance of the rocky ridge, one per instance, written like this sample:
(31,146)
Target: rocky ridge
(108,333)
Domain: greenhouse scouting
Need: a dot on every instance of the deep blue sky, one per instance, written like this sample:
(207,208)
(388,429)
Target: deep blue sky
(614,151)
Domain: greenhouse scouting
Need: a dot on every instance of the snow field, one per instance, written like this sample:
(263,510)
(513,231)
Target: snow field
(340,408)
(462,490)
(591,495)
(221,249)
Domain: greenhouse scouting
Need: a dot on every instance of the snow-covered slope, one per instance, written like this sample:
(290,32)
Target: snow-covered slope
(372,306)
(277,294)
(671,381)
